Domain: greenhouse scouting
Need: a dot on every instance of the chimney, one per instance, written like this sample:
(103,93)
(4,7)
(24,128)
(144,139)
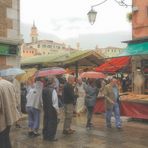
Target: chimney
(78,45)
(97,47)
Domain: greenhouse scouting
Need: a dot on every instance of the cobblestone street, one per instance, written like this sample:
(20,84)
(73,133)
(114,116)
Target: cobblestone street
(133,135)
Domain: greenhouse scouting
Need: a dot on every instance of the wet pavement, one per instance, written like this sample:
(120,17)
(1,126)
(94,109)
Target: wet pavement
(133,135)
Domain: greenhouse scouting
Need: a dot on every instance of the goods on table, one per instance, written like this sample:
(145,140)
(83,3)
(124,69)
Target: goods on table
(134,97)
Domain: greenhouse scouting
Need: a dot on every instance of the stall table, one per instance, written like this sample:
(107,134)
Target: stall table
(131,105)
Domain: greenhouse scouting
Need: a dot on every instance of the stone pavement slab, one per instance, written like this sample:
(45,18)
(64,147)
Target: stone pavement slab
(133,135)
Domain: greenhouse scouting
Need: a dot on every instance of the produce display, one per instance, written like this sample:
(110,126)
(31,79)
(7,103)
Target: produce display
(134,97)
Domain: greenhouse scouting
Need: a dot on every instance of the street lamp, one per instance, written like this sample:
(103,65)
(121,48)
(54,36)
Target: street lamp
(92,13)
(92,16)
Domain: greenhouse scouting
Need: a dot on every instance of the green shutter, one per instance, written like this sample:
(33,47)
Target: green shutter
(6,49)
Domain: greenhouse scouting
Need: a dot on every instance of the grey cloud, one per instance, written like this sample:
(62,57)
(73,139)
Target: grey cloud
(87,41)
(66,23)
(69,19)
(25,31)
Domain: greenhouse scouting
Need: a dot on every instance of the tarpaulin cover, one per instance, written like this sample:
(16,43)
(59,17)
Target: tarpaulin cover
(135,110)
(129,109)
(114,65)
(135,49)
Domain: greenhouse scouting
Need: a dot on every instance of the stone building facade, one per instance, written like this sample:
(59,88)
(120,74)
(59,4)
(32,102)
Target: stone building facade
(42,47)
(9,32)
(109,52)
(140,35)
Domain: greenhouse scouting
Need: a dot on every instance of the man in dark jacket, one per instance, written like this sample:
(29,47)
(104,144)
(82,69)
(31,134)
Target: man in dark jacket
(50,107)
(69,97)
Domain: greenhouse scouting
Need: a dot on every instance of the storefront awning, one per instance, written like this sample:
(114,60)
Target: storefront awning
(135,49)
(114,65)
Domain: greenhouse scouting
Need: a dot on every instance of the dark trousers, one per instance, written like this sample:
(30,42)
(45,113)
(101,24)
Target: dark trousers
(89,114)
(49,124)
(4,138)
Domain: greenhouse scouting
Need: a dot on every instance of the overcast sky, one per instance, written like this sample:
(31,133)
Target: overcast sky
(68,18)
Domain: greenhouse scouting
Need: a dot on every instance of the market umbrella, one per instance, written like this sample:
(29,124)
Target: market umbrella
(11,72)
(29,74)
(93,74)
(50,71)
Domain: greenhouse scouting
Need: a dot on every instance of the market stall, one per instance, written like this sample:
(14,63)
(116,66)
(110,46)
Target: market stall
(135,103)
(131,105)
(114,65)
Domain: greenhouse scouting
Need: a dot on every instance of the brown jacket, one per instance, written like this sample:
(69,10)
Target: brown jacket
(8,105)
(109,96)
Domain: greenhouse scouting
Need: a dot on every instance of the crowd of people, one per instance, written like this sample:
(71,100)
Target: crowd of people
(53,94)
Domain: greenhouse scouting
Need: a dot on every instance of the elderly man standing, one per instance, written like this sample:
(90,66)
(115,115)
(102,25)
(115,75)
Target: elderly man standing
(69,97)
(8,111)
(51,110)
(111,94)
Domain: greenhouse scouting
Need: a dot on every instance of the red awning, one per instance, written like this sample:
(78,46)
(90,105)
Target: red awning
(114,65)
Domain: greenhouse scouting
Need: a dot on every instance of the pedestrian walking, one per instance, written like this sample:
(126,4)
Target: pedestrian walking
(69,96)
(91,92)
(51,110)
(80,107)
(33,107)
(17,86)
(111,94)
(23,98)
(8,111)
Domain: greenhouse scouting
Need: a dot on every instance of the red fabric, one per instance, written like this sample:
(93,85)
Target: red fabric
(129,109)
(114,64)
(135,110)
(51,71)
(100,106)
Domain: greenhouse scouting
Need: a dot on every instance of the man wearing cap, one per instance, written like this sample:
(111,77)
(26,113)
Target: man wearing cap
(111,94)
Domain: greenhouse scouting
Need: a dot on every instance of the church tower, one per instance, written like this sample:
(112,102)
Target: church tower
(34,33)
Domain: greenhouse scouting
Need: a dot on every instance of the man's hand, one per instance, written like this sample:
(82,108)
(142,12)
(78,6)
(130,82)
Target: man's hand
(111,101)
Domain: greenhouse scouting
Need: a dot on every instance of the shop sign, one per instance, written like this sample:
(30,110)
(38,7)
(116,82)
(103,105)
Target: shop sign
(8,49)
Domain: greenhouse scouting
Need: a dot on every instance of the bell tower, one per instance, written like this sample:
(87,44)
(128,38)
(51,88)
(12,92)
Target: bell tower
(34,33)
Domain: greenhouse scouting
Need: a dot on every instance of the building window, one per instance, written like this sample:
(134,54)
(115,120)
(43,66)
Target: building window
(38,46)
(44,46)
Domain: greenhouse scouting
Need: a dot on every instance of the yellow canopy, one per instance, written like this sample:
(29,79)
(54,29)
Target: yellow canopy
(29,73)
